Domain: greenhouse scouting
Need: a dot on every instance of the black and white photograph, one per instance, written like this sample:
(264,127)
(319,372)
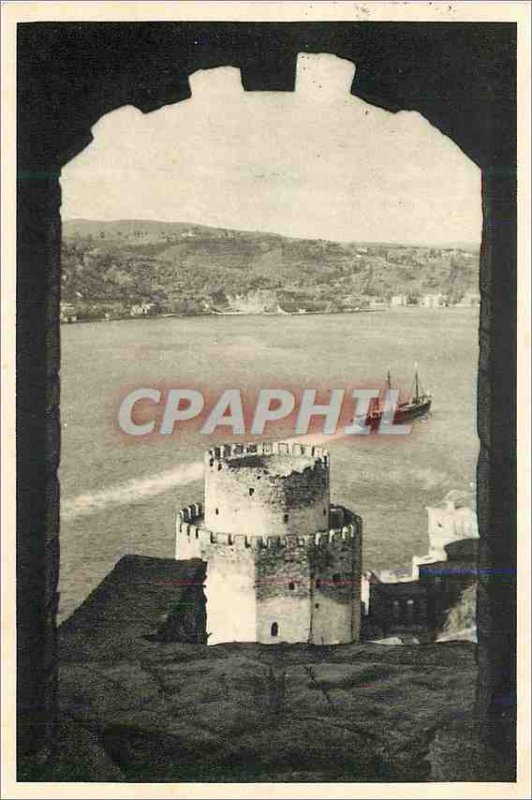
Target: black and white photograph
(266,448)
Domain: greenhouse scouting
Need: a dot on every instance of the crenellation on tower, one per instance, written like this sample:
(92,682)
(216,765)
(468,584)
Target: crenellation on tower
(267,488)
(225,452)
(284,565)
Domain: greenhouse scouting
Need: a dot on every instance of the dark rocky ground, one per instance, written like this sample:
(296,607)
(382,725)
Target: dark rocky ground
(137,707)
(174,712)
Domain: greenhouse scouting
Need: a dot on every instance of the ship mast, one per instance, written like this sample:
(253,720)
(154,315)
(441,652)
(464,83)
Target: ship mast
(416,378)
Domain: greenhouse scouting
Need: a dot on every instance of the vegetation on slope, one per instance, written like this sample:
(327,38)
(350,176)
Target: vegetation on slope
(174,268)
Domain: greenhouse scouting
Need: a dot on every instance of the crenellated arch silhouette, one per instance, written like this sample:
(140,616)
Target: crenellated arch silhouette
(460,77)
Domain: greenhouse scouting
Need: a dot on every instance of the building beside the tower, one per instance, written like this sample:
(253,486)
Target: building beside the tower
(427,601)
(283,564)
(451,521)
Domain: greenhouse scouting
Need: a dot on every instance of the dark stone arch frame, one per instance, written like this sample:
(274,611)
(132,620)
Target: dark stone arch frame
(461,77)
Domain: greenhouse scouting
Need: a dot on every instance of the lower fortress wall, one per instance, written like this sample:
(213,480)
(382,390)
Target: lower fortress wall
(230,592)
(279,588)
(284,592)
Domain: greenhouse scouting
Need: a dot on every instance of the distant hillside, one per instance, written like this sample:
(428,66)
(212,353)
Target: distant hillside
(146,267)
(125,227)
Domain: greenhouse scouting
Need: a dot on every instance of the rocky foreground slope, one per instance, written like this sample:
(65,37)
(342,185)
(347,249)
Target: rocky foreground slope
(137,707)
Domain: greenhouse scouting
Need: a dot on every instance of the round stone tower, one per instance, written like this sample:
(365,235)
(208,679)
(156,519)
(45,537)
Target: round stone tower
(283,565)
(267,489)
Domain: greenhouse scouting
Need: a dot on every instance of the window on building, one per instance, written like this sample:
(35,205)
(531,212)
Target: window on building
(396,609)
(216,511)
(275,629)
(251,491)
(410,610)
(291,586)
(324,512)
(285,517)
(316,605)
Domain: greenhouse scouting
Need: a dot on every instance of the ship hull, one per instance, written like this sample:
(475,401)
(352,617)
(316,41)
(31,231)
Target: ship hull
(404,412)
(412,410)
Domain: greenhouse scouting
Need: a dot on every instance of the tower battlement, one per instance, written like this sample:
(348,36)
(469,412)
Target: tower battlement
(228,452)
(267,488)
(191,513)
(283,564)
(193,534)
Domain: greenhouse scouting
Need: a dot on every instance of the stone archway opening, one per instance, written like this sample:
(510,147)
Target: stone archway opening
(493,150)
(350,164)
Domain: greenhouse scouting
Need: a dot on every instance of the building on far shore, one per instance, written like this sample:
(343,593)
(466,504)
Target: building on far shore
(141,309)
(399,300)
(67,313)
(470,300)
(432,301)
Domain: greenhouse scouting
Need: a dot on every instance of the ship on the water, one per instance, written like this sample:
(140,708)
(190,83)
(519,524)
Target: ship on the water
(418,405)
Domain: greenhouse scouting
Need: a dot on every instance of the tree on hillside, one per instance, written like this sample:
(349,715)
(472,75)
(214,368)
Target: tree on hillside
(367,281)
(219,297)
(456,283)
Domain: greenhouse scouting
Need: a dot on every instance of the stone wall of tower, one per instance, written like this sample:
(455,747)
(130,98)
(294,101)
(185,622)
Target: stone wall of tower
(279,588)
(309,589)
(336,597)
(230,584)
(283,587)
(267,489)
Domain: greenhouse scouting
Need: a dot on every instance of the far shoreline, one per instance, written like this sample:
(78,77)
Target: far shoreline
(274,315)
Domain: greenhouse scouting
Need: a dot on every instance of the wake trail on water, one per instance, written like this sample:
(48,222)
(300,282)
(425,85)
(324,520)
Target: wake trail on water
(131,491)
(124,494)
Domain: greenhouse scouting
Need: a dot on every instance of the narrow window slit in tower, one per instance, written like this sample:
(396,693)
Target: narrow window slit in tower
(251,491)
(285,517)
(275,629)
(291,586)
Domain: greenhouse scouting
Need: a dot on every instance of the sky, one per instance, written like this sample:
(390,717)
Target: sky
(315,163)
